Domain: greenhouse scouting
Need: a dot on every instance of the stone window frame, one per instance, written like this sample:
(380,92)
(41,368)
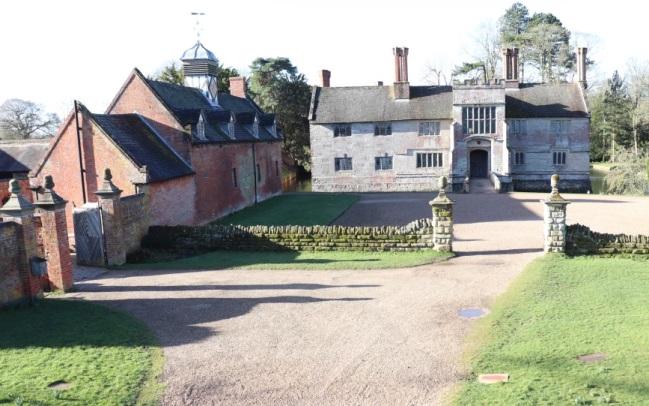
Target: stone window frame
(342,130)
(562,126)
(429,128)
(559,157)
(430,159)
(343,163)
(382,129)
(383,163)
(518,126)
(234,177)
(519,157)
(479,119)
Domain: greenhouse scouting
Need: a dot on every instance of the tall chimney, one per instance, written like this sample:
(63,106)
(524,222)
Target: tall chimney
(325,77)
(238,86)
(581,66)
(510,67)
(401,85)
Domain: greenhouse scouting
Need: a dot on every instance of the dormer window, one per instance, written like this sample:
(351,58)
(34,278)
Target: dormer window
(200,128)
(231,126)
(255,127)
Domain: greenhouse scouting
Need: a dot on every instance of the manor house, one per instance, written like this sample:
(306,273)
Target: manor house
(403,138)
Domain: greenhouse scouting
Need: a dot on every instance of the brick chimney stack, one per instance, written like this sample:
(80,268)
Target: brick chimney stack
(510,67)
(238,86)
(581,66)
(325,77)
(401,85)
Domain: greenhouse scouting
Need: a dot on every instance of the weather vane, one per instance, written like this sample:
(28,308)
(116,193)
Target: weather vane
(198,24)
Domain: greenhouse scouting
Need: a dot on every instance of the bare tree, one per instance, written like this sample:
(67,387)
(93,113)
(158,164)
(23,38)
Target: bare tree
(638,87)
(437,72)
(22,119)
(485,55)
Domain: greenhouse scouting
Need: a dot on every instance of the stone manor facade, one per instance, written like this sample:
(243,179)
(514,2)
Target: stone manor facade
(403,138)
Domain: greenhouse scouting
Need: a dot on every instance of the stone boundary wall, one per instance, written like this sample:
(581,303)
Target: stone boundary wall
(415,236)
(581,240)
(135,212)
(11,288)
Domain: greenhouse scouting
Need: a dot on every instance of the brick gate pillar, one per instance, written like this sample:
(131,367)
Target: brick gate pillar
(442,218)
(55,238)
(112,219)
(21,212)
(554,219)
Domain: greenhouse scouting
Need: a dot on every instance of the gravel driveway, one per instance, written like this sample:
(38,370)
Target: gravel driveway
(383,337)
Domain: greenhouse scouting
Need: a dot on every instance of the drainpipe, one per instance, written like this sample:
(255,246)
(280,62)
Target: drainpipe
(254,169)
(81,170)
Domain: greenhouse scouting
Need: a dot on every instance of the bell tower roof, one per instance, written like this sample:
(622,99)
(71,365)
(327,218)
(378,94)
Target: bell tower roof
(199,52)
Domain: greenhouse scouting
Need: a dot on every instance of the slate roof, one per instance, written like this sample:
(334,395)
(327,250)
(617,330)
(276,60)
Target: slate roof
(546,100)
(187,104)
(376,103)
(21,155)
(143,145)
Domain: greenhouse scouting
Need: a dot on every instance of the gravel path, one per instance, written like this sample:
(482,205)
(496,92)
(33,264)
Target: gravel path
(383,337)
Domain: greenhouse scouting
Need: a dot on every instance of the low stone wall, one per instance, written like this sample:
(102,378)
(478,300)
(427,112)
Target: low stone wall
(415,236)
(135,215)
(581,240)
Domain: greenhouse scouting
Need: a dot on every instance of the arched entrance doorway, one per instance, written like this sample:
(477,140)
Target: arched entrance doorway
(479,161)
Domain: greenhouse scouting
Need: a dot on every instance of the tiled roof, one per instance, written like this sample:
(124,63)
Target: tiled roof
(546,100)
(187,104)
(21,155)
(143,145)
(376,103)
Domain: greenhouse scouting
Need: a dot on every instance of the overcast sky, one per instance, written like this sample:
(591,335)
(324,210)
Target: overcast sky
(53,52)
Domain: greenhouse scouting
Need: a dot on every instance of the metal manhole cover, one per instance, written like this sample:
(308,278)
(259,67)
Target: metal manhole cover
(472,313)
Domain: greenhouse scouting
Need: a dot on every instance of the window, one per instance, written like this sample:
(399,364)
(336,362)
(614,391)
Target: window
(519,158)
(518,127)
(429,128)
(276,168)
(383,129)
(382,163)
(429,160)
(479,120)
(343,164)
(258,173)
(342,130)
(558,158)
(234,177)
(560,126)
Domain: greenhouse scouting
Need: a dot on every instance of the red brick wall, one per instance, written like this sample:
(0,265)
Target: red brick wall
(10,283)
(135,214)
(216,194)
(137,96)
(172,202)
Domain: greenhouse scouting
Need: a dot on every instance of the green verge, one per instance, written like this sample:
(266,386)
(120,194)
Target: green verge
(309,209)
(305,260)
(558,309)
(107,356)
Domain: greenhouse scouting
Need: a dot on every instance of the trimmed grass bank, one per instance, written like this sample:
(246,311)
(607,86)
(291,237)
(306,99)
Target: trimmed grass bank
(304,260)
(103,356)
(561,308)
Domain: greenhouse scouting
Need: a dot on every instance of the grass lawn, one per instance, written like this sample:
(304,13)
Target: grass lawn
(298,260)
(559,309)
(106,356)
(310,209)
